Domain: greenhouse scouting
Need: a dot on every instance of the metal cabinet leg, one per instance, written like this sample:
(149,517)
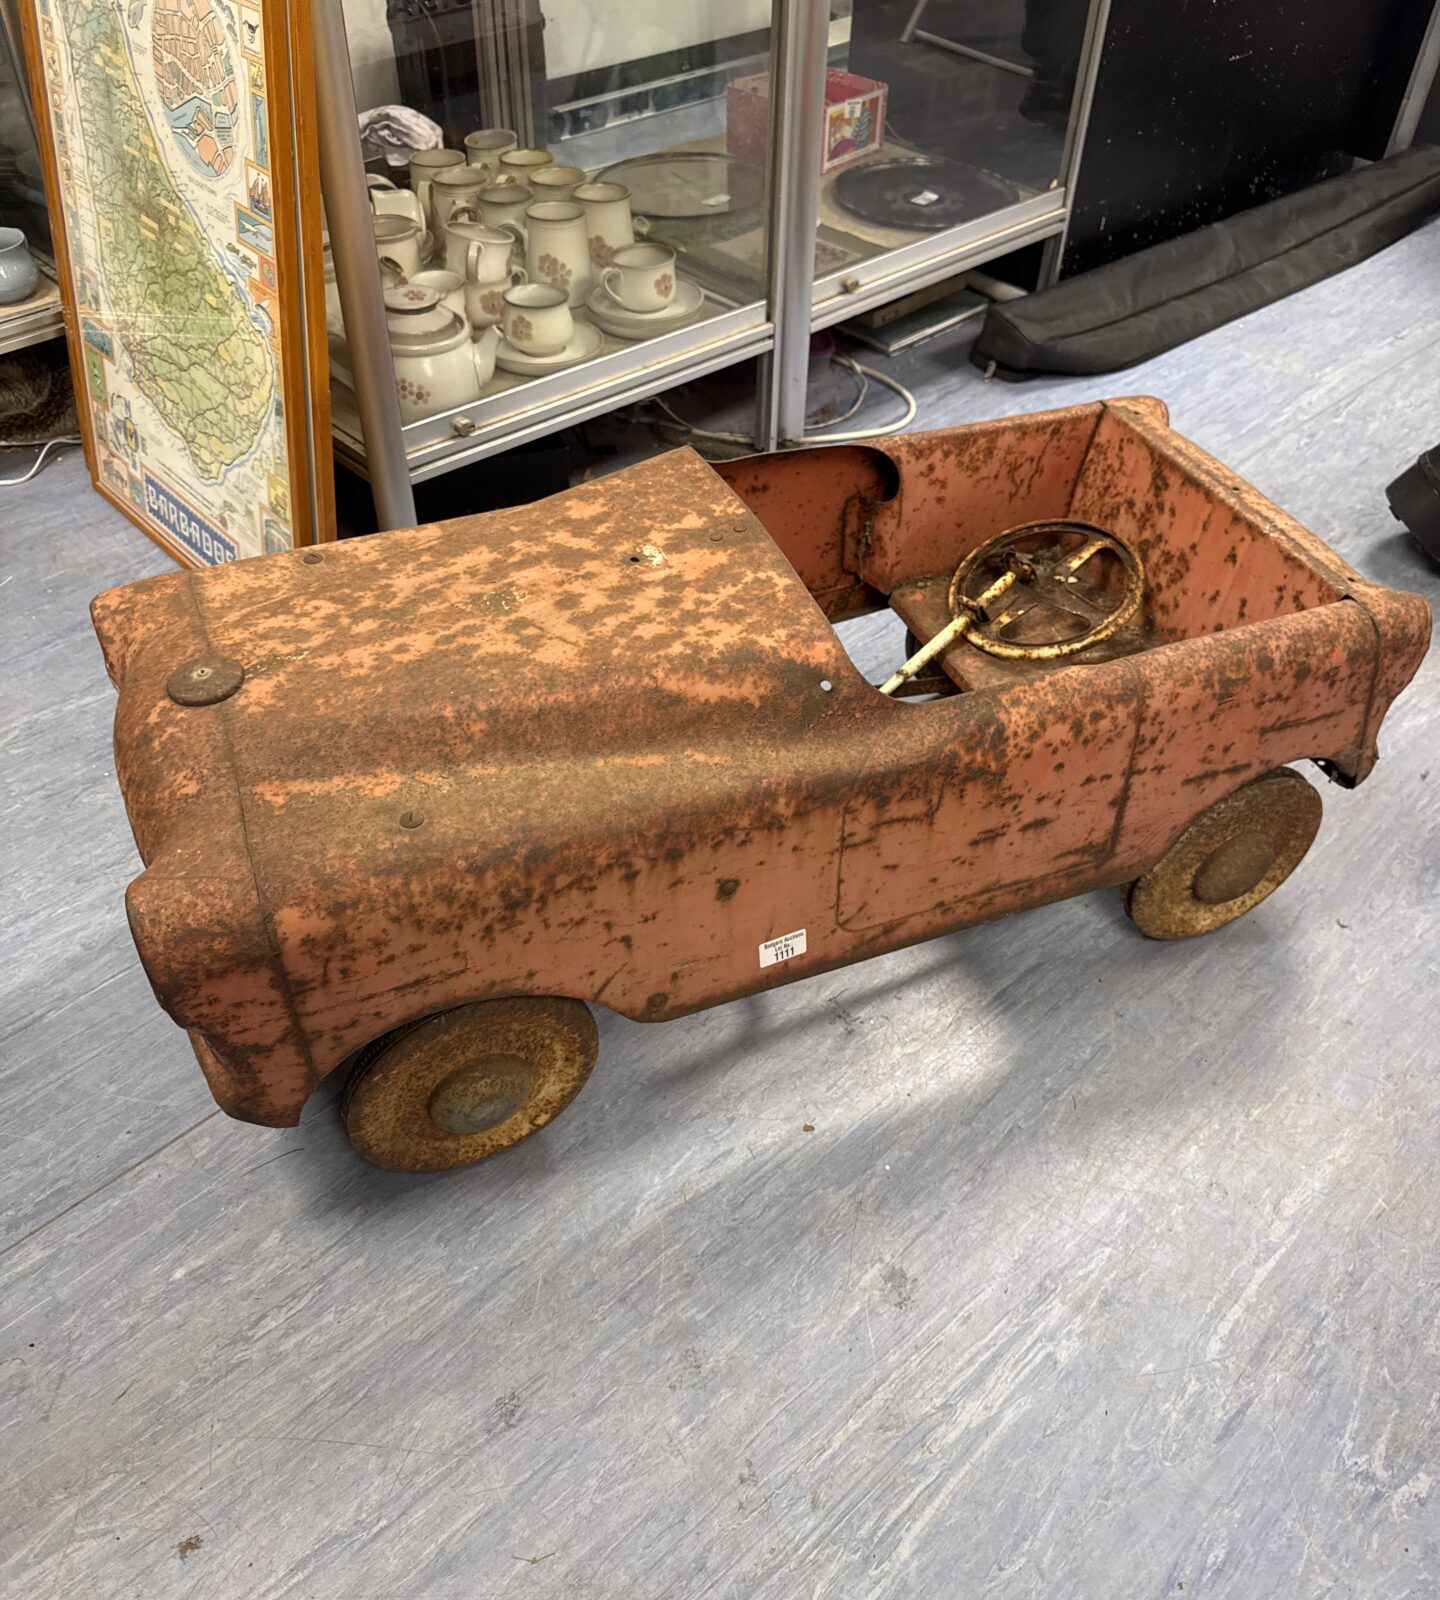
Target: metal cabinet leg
(796,131)
(357,271)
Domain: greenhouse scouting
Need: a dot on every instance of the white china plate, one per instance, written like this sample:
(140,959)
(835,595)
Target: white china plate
(615,319)
(584,343)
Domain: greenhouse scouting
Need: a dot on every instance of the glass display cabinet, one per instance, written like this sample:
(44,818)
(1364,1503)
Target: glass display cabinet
(30,305)
(553,207)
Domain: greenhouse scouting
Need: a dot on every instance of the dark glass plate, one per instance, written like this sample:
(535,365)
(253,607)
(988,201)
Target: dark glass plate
(922,196)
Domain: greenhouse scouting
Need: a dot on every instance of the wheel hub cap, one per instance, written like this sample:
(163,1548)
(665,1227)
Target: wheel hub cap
(481,1094)
(1234,868)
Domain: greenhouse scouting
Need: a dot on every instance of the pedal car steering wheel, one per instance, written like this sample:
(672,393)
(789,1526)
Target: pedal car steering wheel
(1046,559)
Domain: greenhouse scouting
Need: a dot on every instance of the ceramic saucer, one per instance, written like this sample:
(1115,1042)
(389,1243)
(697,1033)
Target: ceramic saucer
(615,319)
(584,343)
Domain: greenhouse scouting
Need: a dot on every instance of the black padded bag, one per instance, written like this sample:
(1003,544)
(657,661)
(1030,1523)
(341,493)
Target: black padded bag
(1130,310)
(1415,500)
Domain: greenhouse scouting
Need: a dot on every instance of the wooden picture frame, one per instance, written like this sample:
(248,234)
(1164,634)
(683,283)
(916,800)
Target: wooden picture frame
(195,320)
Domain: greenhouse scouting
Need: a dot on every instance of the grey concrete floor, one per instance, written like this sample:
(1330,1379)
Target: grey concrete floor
(1109,1269)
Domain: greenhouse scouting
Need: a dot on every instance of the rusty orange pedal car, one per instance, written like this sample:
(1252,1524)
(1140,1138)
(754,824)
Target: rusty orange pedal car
(423,796)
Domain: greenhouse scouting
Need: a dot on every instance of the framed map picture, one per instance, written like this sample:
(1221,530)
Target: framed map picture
(187,221)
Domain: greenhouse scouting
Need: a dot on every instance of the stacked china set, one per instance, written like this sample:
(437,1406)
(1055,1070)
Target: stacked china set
(488,255)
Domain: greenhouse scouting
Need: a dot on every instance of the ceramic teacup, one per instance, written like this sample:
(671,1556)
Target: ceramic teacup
(641,277)
(555,183)
(485,146)
(537,319)
(516,166)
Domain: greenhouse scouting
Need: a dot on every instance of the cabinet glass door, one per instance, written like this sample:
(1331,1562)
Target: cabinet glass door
(944,120)
(599,184)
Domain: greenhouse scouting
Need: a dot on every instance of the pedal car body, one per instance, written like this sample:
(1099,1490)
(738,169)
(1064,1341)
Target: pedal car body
(608,747)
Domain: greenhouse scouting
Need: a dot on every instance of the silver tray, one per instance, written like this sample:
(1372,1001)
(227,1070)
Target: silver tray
(688,183)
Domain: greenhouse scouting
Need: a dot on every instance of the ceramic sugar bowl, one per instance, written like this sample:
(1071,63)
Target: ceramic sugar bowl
(438,365)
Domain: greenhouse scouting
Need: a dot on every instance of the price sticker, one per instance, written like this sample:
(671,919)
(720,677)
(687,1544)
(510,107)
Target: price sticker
(783,948)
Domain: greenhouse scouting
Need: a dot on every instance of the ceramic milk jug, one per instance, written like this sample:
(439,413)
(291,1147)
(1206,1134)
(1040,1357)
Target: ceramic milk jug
(388,200)
(401,246)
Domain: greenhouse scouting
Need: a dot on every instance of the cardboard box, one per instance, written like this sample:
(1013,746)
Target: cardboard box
(854,118)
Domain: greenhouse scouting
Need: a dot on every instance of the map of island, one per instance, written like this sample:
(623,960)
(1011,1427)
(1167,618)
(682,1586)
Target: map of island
(196,79)
(197,357)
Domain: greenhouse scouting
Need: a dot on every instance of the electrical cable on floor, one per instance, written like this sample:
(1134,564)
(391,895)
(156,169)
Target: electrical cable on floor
(46,446)
(861,390)
(698,432)
(862,372)
(911,406)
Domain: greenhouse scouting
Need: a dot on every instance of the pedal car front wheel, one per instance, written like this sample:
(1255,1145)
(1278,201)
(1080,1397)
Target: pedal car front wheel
(465,1084)
(1229,859)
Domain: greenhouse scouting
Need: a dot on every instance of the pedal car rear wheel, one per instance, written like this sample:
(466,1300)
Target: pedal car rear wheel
(1229,859)
(465,1084)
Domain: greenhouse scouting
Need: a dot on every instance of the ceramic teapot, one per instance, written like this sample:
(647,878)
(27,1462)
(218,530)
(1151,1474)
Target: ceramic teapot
(438,364)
